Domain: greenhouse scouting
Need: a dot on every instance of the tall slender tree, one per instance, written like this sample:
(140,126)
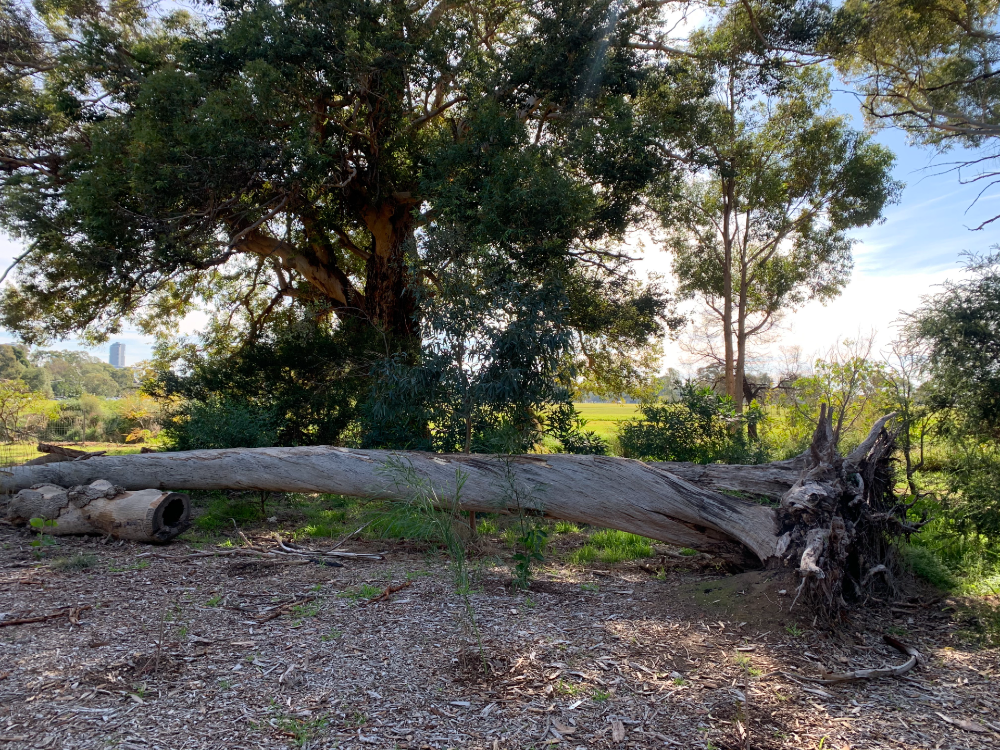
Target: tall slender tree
(776,181)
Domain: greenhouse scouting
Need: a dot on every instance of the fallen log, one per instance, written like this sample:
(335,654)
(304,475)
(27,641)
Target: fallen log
(146,515)
(834,523)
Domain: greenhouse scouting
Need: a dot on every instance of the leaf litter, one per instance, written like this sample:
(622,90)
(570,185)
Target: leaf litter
(210,653)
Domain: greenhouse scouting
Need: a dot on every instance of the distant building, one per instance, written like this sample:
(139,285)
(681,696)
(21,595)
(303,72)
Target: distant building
(117,355)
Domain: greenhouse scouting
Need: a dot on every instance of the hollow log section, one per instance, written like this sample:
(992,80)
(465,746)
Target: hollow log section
(680,504)
(146,515)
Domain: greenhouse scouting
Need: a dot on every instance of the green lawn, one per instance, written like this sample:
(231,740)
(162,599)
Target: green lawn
(604,418)
(12,454)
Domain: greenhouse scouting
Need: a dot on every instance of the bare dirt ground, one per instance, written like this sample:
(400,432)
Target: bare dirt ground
(182,655)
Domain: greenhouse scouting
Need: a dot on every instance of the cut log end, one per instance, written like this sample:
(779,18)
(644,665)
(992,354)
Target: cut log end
(148,515)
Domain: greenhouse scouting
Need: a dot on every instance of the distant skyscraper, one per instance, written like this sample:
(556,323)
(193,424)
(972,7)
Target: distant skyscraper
(117,355)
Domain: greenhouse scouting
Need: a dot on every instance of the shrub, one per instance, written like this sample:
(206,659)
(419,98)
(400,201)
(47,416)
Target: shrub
(702,427)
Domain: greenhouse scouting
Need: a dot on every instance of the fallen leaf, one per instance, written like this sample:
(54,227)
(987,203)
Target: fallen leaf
(617,731)
(968,726)
(562,728)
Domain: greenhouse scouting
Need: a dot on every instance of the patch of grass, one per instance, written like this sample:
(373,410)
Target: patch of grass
(568,688)
(74,563)
(488,525)
(744,662)
(688,552)
(510,536)
(612,546)
(589,587)
(404,521)
(364,591)
(219,510)
(924,563)
(214,601)
(300,731)
(793,630)
(331,635)
(566,527)
(309,609)
(600,696)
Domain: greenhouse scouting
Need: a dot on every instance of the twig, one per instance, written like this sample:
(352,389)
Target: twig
(284,608)
(864,674)
(353,533)
(72,612)
(389,591)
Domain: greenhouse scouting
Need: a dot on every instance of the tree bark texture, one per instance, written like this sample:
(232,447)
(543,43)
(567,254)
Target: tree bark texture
(146,515)
(834,523)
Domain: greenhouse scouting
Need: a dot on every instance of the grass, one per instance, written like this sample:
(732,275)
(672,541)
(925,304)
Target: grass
(364,591)
(566,527)
(604,418)
(612,546)
(74,563)
(18,453)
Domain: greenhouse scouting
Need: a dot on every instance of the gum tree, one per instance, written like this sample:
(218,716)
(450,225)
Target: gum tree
(776,181)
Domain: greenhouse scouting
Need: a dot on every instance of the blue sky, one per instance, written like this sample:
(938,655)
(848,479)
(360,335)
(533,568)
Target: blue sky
(916,248)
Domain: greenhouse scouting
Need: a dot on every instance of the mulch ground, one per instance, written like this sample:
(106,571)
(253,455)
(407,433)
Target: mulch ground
(233,652)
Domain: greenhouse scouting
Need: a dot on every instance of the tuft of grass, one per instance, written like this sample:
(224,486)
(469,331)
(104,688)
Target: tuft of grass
(488,525)
(74,563)
(924,563)
(364,591)
(405,521)
(566,527)
(601,696)
(612,546)
(688,552)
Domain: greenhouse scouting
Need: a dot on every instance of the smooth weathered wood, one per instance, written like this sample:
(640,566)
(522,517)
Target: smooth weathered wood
(146,515)
(617,493)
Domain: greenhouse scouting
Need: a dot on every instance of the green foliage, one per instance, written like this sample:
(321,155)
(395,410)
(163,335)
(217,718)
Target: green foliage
(15,364)
(530,550)
(23,412)
(297,383)
(493,374)
(612,546)
(42,540)
(925,67)
(925,563)
(222,509)
(957,332)
(275,160)
(702,427)
(566,527)
(777,181)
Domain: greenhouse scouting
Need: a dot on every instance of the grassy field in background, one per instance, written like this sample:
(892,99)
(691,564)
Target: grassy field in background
(12,454)
(604,418)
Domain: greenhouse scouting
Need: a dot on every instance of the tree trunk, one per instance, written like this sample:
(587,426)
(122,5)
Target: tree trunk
(835,521)
(389,301)
(147,515)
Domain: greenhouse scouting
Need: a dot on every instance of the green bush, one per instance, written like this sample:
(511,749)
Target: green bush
(702,427)
(220,422)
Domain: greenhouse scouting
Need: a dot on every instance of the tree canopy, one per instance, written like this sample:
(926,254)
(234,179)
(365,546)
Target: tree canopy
(279,153)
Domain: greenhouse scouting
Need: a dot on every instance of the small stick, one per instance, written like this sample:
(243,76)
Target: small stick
(353,533)
(71,612)
(279,611)
(389,591)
